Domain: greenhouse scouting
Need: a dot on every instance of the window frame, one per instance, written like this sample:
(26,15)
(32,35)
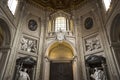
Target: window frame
(57,24)
(107,5)
(12,5)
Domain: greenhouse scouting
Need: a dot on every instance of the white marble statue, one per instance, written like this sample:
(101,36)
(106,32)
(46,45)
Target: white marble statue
(98,75)
(23,75)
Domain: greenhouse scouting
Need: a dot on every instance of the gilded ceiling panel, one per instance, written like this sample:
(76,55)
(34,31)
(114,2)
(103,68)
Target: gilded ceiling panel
(59,4)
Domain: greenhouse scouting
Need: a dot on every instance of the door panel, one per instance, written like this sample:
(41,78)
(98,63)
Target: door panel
(61,71)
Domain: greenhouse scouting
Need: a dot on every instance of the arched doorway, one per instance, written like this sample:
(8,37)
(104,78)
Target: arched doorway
(60,62)
(4,45)
(115,39)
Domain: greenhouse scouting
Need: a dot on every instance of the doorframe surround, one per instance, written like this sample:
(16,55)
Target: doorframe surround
(47,60)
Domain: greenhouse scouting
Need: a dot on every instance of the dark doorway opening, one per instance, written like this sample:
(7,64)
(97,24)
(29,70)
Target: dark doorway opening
(61,71)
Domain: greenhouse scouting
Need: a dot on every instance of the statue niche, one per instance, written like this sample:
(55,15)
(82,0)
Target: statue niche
(96,68)
(25,68)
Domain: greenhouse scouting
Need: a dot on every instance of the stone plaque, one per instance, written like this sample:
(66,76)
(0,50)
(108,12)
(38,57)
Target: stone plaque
(92,44)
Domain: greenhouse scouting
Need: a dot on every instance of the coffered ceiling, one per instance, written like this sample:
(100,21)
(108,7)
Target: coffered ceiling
(59,4)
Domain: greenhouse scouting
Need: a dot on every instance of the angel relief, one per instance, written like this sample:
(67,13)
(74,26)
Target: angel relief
(92,44)
(28,45)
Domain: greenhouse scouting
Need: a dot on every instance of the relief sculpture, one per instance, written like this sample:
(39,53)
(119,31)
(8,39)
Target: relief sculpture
(29,45)
(92,44)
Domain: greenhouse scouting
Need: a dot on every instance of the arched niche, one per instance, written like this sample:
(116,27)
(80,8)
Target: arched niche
(98,62)
(115,29)
(60,58)
(60,51)
(1,36)
(22,63)
(5,40)
(5,37)
(115,38)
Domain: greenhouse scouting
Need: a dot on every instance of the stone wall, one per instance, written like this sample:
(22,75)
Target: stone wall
(30,35)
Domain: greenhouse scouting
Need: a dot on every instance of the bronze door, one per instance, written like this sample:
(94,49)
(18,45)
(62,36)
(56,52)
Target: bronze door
(61,71)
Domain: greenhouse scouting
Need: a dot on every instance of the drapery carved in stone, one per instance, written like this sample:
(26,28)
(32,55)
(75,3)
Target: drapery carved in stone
(29,45)
(96,67)
(92,44)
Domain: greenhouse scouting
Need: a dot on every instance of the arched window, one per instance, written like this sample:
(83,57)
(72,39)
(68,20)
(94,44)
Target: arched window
(107,4)
(60,24)
(12,4)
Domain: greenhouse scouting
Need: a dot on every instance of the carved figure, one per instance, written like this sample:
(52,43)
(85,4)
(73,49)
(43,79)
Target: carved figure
(34,47)
(60,35)
(97,43)
(92,44)
(98,75)
(28,45)
(89,45)
(24,44)
(23,75)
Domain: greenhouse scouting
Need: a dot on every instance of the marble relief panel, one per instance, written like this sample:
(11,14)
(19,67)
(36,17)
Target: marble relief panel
(28,44)
(93,44)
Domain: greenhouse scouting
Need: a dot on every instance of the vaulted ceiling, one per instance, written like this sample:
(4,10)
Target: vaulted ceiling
(59,4)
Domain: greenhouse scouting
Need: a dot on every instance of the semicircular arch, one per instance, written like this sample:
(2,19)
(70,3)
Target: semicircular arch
(60,50)
(115,29)
(5,34)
